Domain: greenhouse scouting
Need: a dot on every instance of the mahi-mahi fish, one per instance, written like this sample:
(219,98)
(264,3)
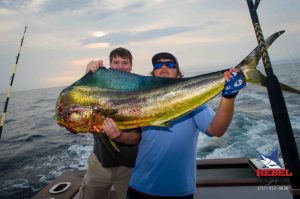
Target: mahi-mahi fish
(134,101)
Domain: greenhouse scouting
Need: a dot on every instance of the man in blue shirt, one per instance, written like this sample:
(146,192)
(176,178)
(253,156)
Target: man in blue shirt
(166,161)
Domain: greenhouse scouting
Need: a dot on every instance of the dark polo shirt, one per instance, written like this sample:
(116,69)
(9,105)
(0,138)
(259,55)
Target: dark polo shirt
(109,157)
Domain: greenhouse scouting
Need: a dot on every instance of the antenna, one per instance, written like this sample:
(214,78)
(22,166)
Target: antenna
(11,83)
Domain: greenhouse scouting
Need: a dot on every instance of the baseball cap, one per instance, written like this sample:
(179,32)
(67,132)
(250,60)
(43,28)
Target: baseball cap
(164,55)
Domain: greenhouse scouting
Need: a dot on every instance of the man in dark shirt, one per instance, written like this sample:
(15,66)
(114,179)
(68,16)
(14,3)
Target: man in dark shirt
(106,166)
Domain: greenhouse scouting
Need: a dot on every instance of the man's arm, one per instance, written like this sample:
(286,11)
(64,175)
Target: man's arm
(113,132)
(234,81)
(223,118)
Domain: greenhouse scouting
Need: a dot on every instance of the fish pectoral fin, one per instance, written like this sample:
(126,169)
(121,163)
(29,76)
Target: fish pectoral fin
(110,145)
(254,76)
(115,146)
(105,112)
(109,113)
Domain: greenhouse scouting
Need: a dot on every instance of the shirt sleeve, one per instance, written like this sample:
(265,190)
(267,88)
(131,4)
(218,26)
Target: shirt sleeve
(203,116)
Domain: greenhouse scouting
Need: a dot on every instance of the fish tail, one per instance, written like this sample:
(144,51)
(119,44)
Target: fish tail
(253,58)
(249,66)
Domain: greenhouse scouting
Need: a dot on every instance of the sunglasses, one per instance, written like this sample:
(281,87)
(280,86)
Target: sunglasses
(158,65)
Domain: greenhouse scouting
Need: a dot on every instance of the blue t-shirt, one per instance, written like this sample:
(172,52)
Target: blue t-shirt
(166,160)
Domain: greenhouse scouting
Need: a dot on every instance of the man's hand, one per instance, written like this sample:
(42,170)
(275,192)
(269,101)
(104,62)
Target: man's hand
(235,80)
(111,129)
(94,65)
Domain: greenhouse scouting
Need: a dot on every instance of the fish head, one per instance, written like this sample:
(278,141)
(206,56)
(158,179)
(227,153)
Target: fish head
(79,119)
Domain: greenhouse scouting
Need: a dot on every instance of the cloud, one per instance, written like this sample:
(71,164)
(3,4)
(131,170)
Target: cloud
(52,6)
(134,6)
(61,38)
(45,5)
(15,4)
(118,38)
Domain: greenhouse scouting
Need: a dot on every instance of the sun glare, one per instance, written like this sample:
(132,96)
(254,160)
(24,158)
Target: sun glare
(99,33)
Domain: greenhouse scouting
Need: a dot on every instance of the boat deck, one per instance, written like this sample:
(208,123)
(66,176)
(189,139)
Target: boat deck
(220,179)
(235,178)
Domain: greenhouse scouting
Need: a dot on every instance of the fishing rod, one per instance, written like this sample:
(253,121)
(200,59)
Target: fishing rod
(280,114)
(11,83)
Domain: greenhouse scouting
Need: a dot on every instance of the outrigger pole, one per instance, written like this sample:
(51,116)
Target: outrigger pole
(281,117)
(11,83)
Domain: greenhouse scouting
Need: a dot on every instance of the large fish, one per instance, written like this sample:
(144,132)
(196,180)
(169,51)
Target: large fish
(135,101)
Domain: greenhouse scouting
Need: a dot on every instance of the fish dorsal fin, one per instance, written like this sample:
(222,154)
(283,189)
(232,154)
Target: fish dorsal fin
(112,79)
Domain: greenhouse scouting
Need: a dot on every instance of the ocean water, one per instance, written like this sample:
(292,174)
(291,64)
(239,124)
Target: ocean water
(34,149)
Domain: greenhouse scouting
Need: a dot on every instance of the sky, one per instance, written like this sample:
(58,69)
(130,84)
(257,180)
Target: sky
(205,35)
